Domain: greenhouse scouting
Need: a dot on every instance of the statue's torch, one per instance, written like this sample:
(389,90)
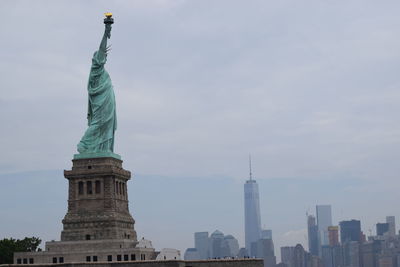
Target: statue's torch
(108,19)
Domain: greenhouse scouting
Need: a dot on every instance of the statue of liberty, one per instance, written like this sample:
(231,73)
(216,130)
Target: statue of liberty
(98,139)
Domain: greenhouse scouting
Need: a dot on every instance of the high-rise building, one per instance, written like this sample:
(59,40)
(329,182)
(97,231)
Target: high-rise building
(382,228)
(351,251)
(201,243)
(266,234)
(324,220)
(333,233)
(391,220)
(299,257)
(252,219)
(265,250)
(287,255)
(350,231)
(230,246)
(312,235)
(216,239)
(332,256)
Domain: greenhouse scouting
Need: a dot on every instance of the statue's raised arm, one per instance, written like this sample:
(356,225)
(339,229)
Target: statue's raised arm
(103,49)
(102,120)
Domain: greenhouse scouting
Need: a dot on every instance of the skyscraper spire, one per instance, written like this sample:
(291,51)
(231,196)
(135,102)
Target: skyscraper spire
(250,174)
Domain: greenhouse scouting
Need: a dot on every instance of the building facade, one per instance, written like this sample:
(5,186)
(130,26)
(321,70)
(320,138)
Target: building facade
(350,231)
(324,220)
(312,231)
(252,219)
(201,243)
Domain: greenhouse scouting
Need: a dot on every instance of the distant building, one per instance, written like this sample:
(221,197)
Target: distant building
(230,246)
(324,220)
(312,230)
(391,220)
(351,254)
(221,246)
(299,258)
(333,233)
(169,254)
(266,234)
(252,219)
(265,250)
(369,253)
(350,231)
(382,228)
(332,256)
(216,239)
(287,255)
(387,261)
(201,243)
(243,253)
(191,254)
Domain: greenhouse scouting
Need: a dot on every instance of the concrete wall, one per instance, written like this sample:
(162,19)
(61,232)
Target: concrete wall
(165,263)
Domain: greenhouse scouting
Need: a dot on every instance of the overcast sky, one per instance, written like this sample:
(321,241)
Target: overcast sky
(309,88)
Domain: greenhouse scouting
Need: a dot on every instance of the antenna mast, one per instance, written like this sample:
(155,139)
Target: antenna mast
(251,174)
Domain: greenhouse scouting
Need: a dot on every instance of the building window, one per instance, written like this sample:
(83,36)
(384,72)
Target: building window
(120,188)
(30,260)
(61,259)
(94,258)
(54,260)
(87,258)
(19,261)
(142,257)
(109,257)
(123,189)
(89,187)
(97,187)
(87,237)
(133,257)
(126,257)
(116,186)
(119,257)
(80,188)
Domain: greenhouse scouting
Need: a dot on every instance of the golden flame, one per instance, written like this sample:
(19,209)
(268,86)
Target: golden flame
(108,14)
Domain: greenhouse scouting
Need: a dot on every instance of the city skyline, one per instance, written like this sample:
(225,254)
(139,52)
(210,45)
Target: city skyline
(311,89)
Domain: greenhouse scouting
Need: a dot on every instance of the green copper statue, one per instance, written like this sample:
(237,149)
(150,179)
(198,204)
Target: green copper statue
(98,140)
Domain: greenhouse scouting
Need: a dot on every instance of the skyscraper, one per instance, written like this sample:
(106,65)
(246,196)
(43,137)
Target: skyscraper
(324,220)
(216,240)
(350,231)
(201,243)
(287,255)
(382,228)
(252,220)
(266,234)
(312,235)
(392,225)
(333,232)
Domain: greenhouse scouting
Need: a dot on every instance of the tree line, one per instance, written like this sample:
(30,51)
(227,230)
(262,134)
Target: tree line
(10,245)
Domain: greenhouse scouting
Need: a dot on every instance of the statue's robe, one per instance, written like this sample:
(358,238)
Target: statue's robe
(102,118)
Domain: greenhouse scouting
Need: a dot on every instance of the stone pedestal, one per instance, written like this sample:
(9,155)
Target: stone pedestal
(98,226)
(98,201)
